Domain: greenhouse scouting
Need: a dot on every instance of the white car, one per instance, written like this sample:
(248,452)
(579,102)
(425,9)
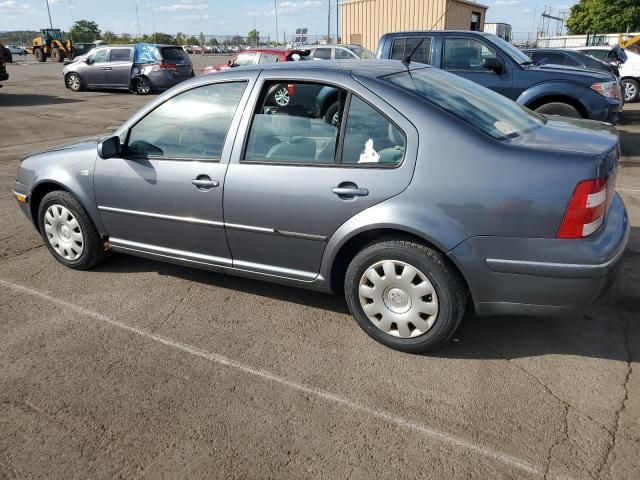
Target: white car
(16,50)
(629,70)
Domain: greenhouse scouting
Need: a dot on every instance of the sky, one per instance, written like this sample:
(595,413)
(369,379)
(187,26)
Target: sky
(217,17)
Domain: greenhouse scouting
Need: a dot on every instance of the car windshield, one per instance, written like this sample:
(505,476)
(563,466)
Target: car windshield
(361,52)
(517,55)
(490,112)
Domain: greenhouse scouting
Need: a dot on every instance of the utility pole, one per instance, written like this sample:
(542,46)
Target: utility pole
(138,19)
(329,22)
(275,8)
(337,26)
(49,12)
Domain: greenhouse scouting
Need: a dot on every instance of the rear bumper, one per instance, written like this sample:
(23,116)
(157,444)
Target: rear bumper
(540,276)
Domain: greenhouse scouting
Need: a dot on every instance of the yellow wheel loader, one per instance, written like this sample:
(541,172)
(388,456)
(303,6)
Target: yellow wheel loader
(52,44)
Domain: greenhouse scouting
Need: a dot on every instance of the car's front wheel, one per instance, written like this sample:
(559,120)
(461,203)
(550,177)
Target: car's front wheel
(405,295)
(630,89)
(559,108)
(68,232)
(74,82)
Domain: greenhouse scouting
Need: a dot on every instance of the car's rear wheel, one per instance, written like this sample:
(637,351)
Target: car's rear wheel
(405,295)
(142,86)
(332,115)
(68,232)
(74,82)
(630,89)
(559,108)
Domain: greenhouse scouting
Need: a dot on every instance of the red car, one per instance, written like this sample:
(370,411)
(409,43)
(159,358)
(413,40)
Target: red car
(251,56)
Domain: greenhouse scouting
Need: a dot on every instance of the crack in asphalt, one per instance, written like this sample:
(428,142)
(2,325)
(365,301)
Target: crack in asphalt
(173,310)
(17,254)
(559,441)
(608,455)
(542,384)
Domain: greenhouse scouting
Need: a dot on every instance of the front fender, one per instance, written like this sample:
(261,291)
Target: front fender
(555,89)
(71,170)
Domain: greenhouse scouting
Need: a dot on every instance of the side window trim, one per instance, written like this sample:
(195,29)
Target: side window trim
(126,156)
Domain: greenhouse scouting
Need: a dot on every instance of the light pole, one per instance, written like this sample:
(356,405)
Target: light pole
(49,12)
(329,22)
(275,8)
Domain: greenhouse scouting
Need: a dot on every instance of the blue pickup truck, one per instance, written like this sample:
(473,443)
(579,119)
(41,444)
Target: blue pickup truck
(496,64)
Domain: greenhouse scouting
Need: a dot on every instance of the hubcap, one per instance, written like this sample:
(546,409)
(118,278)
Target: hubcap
(74,82)
(282,97)
(629,91)
(143,87)
(63,232)
(398,299)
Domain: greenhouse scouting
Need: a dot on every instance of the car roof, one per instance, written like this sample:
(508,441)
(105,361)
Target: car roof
(440,32)
(365,68)
(274,50)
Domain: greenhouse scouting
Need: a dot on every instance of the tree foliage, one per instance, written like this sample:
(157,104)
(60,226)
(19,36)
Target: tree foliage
(604,16)
(85,31)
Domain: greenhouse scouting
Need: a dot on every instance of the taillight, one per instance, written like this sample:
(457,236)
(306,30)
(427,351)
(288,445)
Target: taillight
(586,209)
(291,89)
(167,66)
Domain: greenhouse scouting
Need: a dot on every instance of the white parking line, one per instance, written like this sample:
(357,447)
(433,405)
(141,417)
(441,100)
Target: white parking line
(635,190)
(434,434)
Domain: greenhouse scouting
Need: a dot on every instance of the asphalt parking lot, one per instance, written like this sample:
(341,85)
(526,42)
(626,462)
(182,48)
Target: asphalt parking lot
(140,369)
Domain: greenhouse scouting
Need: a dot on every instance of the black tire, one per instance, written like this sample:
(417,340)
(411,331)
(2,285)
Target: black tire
(630,90)
(40,55)
(93,251)
(142,86)
(559,108)
(57,55)
(446,281)
(74,82)
(331,113)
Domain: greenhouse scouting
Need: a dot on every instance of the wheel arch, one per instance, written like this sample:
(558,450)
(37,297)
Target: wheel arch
(543,100)
(349,249)
(42,188)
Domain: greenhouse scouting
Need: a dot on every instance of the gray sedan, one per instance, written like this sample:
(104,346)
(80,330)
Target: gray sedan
(427,192)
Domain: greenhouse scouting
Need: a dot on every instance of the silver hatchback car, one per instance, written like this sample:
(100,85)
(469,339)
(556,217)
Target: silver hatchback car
(429,190)
(141,68)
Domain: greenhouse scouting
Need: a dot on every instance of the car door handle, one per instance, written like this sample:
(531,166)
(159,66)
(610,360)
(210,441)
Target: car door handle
(205,184)
(105,68)
(350,191)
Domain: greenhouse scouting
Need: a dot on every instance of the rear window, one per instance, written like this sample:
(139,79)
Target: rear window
(484,109)
(174,53)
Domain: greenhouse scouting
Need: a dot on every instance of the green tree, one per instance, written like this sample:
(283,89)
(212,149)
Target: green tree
(84,31)
(604,16)
(253,36)
(110,37)
(181,39)
(202,39)
(192,40)
(213,42)
(164,38)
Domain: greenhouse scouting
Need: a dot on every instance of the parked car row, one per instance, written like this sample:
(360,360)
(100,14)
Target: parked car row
(401,182)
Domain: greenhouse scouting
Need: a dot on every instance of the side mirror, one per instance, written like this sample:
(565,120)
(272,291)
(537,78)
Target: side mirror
(109,147)
(493,64)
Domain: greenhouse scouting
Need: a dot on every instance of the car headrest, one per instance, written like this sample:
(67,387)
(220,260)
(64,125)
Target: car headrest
(395,136)
(290,126)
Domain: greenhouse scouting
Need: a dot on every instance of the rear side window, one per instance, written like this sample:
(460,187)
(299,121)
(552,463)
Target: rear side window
(120,55)
(192,125)
(402,47)
(174,53)
(369,137)
(268,58)
(244,59)
(552,58)
(322,53)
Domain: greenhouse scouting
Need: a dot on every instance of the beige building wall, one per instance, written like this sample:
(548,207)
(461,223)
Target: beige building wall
(365,21)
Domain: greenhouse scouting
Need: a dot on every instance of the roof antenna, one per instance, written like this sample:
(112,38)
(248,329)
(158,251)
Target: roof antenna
(407,59)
